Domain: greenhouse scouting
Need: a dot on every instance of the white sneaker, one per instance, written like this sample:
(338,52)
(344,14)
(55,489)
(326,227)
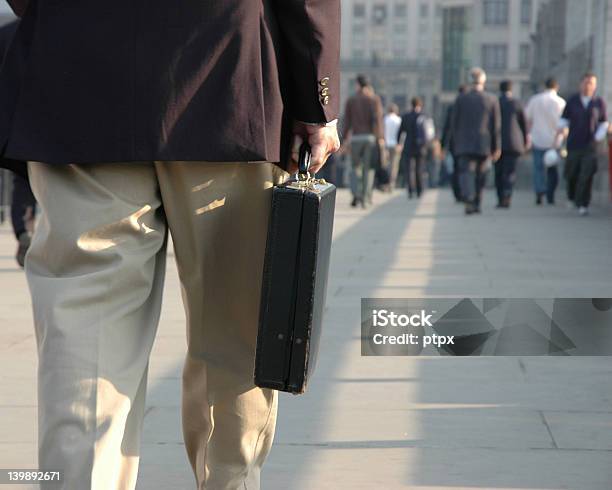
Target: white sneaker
(582,211)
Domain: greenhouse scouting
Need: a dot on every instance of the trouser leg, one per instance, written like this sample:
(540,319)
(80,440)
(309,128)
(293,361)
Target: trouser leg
(405,165)
(539,180)
(584,178)
(418,173)
(23,205)
(218,215)
(480,177)
(552,180)
(95,271)
(456,179)
(571,171)
(499,176)
(368,171)
(394,157)
(508,175)
(357,169)
(467,178)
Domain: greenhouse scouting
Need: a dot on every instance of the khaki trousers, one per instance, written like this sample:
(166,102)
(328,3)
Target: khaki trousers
(96,270)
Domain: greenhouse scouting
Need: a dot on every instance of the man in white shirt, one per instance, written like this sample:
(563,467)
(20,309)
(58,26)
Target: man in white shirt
(392,124)
(543,113)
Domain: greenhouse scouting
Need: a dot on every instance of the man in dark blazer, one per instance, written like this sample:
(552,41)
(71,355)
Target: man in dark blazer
(447,146)
(140,118)
(476,131)
(514,143)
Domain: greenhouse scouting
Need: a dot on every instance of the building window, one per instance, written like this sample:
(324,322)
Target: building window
(525,56)
(400,10)
(526,90)
(494,57)
(424,10)
(359,10)
(399,53)
(399,28)
(495,12)
(358,53)
(379,14)
(526,11)
(456,46)
(359,29)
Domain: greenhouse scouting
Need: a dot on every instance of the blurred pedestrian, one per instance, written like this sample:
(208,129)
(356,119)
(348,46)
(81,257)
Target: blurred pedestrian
(448,147)
(363,131)
(175,117)
(23,203)
(434,163)
(392,123)
(543,112)
(23,212)
(514,143)
(584,121)
(476,129)
(413,134)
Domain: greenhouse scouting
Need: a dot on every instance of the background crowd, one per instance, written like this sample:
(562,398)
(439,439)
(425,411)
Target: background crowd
(482,134)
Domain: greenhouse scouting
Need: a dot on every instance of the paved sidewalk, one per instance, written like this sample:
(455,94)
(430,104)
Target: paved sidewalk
(391,423)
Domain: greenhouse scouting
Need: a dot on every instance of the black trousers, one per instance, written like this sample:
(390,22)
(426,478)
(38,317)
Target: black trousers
(505,175)
(22,201)
(472,178)
(413,172)
(580,167)
(455,179)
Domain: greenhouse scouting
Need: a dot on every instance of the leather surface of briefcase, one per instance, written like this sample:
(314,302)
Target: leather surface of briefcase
(296,268)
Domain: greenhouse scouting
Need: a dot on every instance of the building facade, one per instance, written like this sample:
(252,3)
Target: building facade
(572,38)
(425,48)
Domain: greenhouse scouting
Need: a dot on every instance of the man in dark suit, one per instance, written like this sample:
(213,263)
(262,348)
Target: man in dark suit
(447,146)
(412,134)
(477,138)
(514,143)
(139,118)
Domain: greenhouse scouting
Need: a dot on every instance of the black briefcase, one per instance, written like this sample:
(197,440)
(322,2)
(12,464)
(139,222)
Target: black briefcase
(294,284)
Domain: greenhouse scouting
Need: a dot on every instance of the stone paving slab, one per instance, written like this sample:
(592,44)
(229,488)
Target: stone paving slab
(392,423)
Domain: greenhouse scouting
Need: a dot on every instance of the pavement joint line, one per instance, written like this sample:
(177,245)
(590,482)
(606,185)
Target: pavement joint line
(545,422)
(408,445)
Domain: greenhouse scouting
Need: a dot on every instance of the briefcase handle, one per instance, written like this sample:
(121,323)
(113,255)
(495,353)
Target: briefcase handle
(304,159)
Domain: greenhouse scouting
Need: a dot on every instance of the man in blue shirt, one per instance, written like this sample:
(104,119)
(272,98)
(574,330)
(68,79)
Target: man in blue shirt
(585,123)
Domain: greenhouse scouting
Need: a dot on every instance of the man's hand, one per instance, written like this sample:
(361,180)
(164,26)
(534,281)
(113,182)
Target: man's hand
(322,139)
(495,155)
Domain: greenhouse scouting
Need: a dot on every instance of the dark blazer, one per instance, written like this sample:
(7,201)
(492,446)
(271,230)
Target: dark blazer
(7,32)
(476,125)
(145,80)
(412,122)
(514,126)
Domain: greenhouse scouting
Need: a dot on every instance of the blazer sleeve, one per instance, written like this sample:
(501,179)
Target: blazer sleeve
(18,6)
(347,123)
(495,128)
(379,125)
(522,121)
(311,33)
